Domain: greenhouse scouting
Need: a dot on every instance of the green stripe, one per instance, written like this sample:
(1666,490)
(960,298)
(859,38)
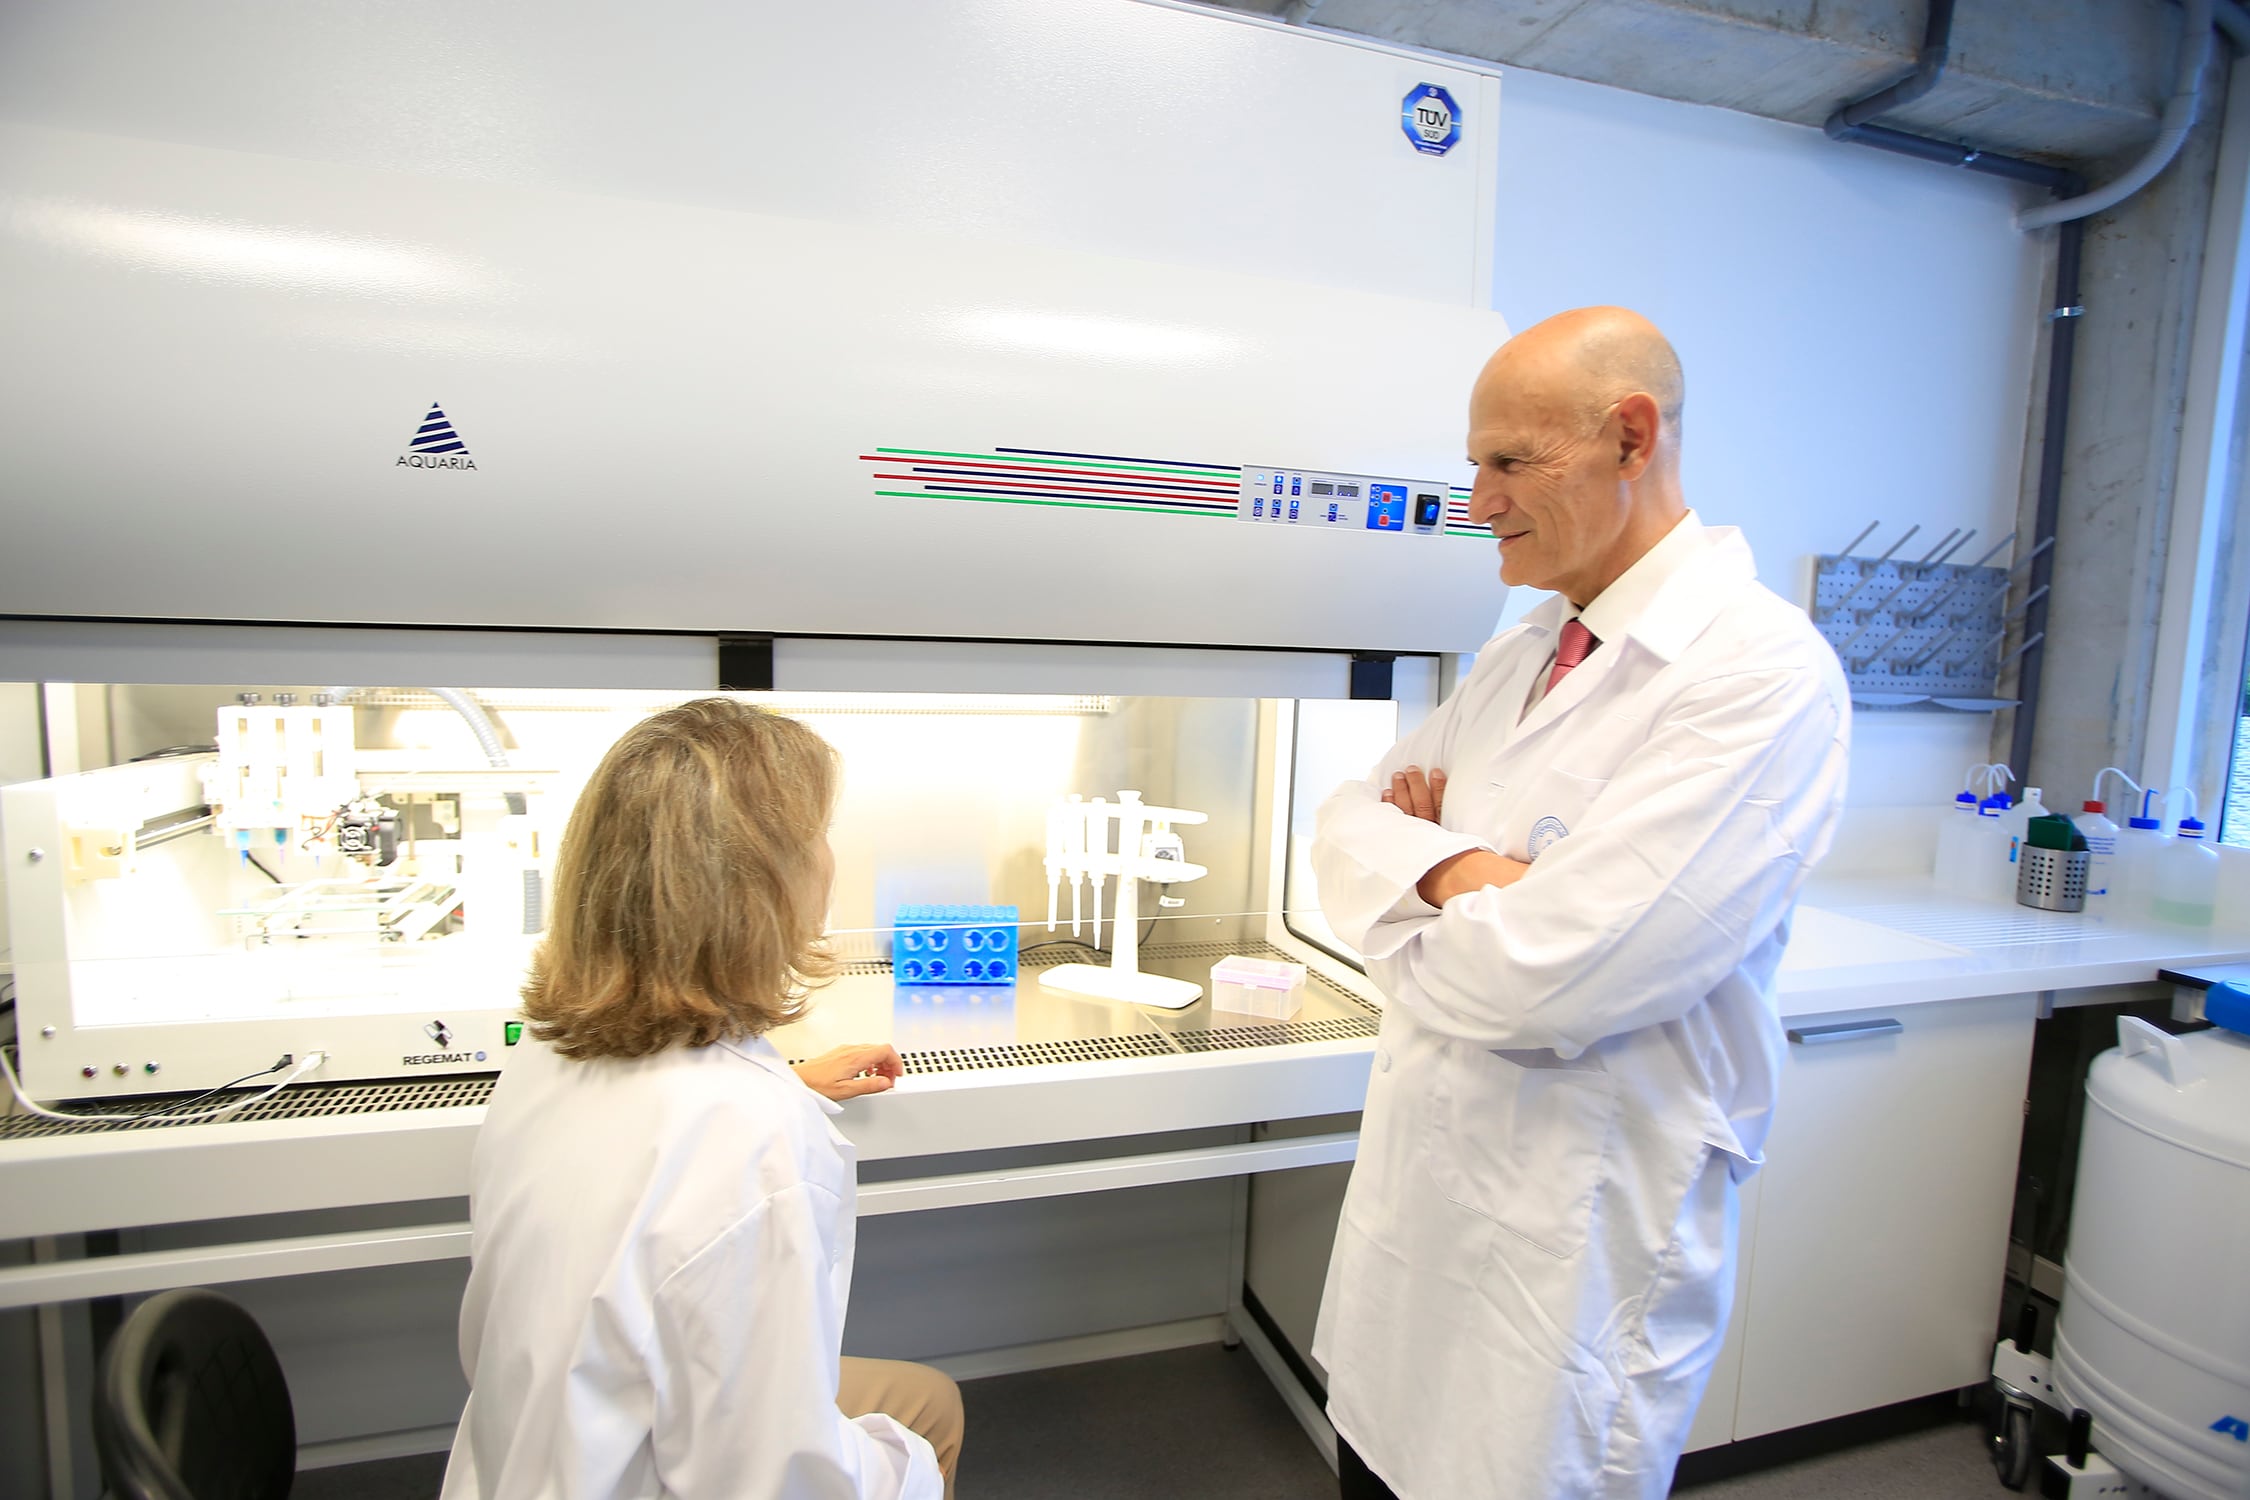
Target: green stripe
(1145,510)
(1200,472)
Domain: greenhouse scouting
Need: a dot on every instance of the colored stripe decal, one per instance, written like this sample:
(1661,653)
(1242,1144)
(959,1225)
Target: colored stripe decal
(1191,473)
(970,482)
(1065,504)
(1159,502)
(1118,458)
(1076,476)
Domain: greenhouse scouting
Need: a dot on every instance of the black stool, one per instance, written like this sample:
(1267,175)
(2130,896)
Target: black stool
(191,1405)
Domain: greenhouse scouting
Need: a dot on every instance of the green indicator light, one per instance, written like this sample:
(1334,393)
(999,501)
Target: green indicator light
(513,1030)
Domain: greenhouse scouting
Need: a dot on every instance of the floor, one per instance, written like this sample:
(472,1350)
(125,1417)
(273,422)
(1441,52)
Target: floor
(1204,1424)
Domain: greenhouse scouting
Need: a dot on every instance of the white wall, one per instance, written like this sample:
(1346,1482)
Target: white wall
(1857,331)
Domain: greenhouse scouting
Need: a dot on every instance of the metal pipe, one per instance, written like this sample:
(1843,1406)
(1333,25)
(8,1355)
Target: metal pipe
(1966,537)
(2026,560)
(1869,576)
(2172,132)
(1877,649)
(1931,556)
(2020,650)
(1937,35)
(2028,600)
(1855,541)
(1997,548)
(2062,344)
(1932,649)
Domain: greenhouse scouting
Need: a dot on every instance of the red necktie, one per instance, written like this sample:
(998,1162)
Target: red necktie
(1576,645)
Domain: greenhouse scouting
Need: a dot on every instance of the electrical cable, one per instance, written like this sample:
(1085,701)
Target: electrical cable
(194,1100)
(304,1065)
(261,869)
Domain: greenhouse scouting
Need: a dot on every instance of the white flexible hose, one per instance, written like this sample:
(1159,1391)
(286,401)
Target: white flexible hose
(306,1064)
(2179,119)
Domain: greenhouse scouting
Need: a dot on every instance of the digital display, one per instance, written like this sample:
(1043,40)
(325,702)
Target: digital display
(1323,487)
(1348,491)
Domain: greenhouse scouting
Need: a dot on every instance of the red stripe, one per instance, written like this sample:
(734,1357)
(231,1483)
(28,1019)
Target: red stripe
(1217,485)
(1072,489)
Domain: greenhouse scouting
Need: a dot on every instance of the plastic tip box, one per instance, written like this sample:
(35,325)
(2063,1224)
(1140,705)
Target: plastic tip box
(954,945)
(1258,987)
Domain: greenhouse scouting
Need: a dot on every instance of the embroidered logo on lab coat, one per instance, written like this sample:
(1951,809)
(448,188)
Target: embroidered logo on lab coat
(1546,833)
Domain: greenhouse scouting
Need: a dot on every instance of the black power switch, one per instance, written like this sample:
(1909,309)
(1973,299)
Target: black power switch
(1428,509)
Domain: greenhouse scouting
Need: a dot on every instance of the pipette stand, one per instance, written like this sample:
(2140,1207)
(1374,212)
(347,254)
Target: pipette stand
(1122,978)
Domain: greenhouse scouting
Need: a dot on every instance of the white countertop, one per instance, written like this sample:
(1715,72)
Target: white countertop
(1862,942)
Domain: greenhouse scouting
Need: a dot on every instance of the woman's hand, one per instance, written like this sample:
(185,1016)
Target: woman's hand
(848,1072)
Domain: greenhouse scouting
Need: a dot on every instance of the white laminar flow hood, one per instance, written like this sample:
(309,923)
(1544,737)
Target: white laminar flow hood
(246,385)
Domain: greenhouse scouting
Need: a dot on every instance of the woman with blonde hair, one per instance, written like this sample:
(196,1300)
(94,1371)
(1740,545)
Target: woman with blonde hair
(662,1213)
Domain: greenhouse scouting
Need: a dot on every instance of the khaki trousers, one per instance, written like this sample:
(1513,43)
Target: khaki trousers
(917,1397)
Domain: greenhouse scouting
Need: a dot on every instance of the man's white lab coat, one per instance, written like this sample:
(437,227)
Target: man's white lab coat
(1532,1274)
(662,1253)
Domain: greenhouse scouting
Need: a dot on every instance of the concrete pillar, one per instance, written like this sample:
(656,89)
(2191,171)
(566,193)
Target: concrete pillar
(2142,273)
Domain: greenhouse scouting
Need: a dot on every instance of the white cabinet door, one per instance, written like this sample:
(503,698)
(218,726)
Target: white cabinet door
(1882,1226)
(1714,1419)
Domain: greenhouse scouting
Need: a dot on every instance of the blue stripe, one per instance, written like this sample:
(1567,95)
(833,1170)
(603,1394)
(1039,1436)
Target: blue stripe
(455,447)
(440,425)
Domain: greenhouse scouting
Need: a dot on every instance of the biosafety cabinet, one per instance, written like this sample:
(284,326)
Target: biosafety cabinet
(1094,354)
(1038,400)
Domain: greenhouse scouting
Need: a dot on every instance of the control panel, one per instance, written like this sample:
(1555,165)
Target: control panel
(1341,502)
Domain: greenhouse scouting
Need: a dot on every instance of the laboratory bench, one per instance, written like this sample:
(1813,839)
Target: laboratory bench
(1873,1244)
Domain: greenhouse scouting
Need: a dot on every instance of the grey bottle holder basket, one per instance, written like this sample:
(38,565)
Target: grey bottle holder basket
(2051,879)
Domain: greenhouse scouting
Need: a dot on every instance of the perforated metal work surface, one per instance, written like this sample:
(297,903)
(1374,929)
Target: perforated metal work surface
(385,1096)
(1342,1016)
(1331,1014)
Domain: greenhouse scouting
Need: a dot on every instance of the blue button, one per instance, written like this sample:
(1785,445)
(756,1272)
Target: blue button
(1296,484)
(1258,507)
(1293,510)
(1331,512)
(1277,484)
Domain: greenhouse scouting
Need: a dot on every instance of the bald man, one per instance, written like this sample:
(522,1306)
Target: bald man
(1573,883)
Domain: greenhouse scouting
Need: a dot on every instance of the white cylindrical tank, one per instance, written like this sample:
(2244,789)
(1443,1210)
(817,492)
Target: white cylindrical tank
(2154,1336)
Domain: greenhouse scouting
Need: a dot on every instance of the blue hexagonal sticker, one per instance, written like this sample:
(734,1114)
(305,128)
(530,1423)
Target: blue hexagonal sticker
(1431,120)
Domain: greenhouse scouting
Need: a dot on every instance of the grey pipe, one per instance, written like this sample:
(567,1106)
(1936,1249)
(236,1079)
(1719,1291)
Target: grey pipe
(1845,123)
(2178,120)
(480,724)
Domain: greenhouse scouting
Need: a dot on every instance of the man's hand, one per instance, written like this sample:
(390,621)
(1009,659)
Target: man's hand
(1416,795)
(848,1072)
(1470,870)
(1420,796)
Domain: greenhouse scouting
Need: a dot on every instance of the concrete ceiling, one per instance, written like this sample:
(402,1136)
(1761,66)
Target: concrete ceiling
(2078,81)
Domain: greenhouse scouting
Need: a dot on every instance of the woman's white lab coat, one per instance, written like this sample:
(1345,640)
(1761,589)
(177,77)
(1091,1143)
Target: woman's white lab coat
(661,1257)
(1531,1277)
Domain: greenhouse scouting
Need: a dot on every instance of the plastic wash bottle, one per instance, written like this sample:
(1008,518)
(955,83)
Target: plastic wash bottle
(2187,879)
(2132,873)
(1954,869)
(2101,835)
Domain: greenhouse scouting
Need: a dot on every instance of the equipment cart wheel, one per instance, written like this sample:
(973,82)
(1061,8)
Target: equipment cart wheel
(2012,1452)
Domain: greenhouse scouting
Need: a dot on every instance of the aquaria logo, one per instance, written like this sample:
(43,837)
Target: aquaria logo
(436,445)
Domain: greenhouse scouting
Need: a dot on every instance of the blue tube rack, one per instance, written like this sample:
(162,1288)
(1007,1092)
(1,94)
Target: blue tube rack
(954,945)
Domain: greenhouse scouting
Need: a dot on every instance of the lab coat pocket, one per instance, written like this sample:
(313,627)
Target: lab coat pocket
(1522,1142)
(1553,803)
